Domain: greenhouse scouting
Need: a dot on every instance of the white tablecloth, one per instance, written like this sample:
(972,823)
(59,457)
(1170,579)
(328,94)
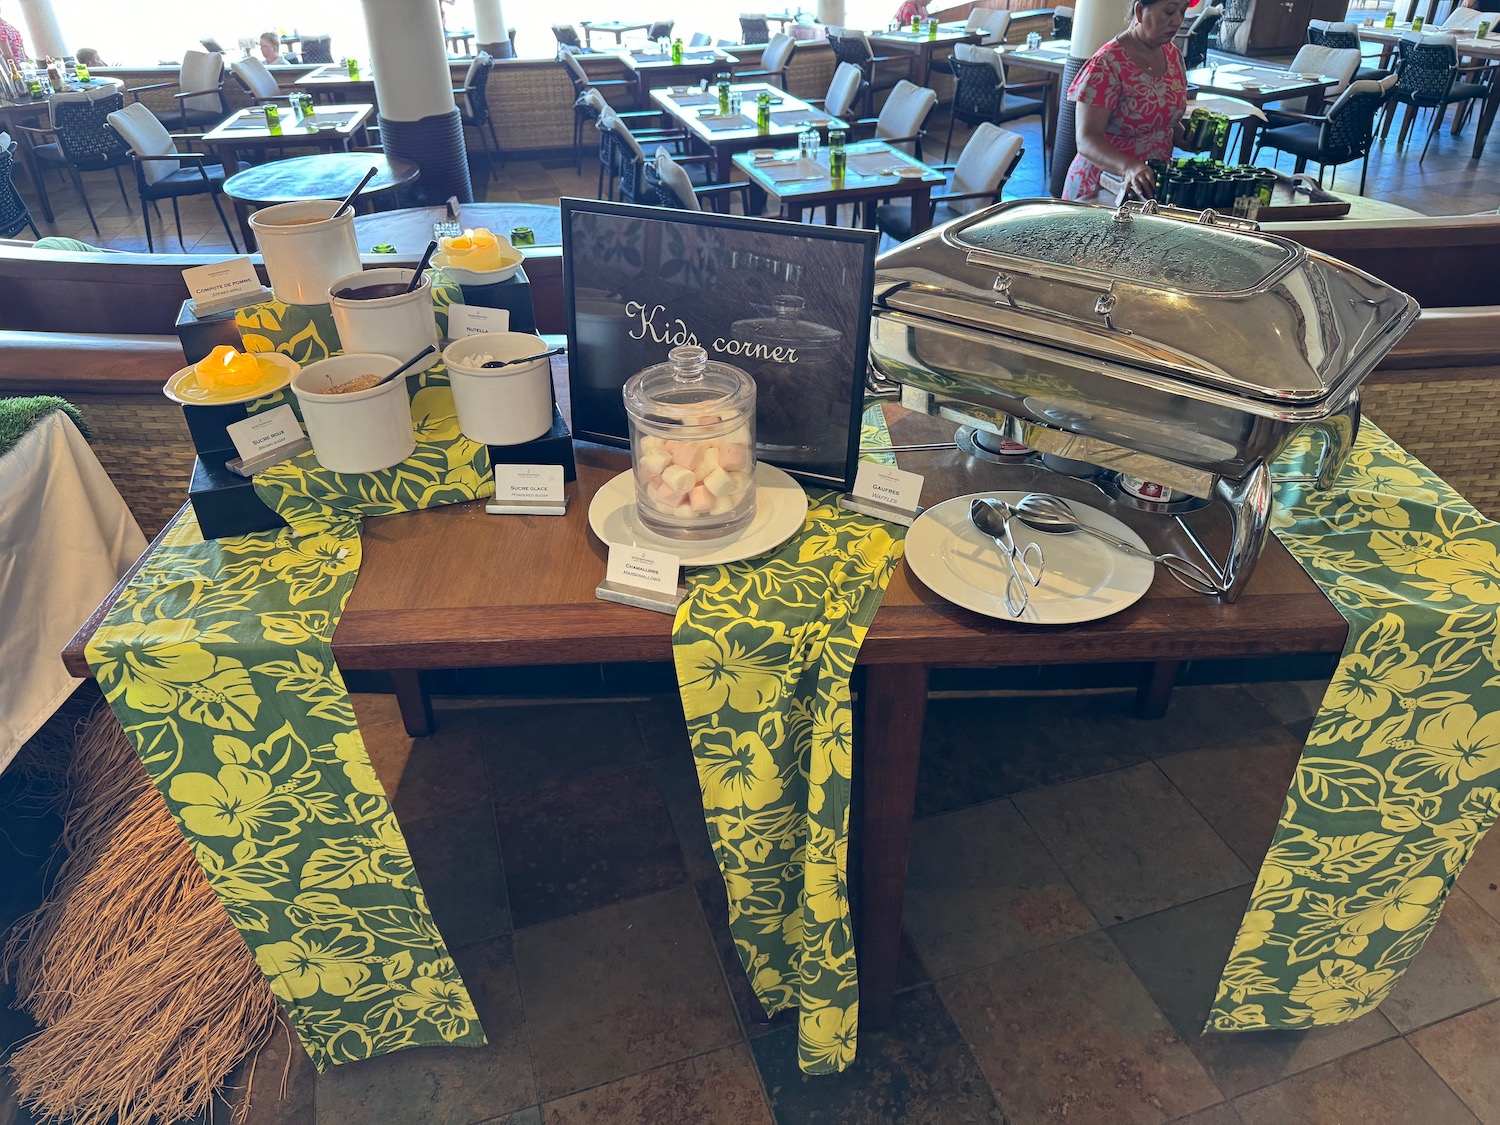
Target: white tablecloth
(66,536)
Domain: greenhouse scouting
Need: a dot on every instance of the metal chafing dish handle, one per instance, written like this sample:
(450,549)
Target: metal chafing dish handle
(1006,267)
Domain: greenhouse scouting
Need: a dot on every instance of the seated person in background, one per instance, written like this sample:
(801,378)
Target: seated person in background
(11,46)
(89,57)
(910,10)
(270,49)
(1130,100)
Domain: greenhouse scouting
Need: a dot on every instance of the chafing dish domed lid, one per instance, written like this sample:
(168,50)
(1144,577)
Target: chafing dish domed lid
(1224,307)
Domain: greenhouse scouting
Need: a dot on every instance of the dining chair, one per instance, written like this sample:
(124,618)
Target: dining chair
(754,28)
(627,159)
(589,103)
(996,28)
(1333,62)
(981,93)
(1340,136)
(1342,36)
(660,29)
(881,72)
(674,187)
(80,140)
(14,217)
(317,48)
(701,39)
(1462,19)
(1428,77)
(775,61)
(164,171)
(903,116)
(200,90)
(473,104)
(984,166)
(844,89)
(1195,48)
(1062,22)
(567,36)
(257,81)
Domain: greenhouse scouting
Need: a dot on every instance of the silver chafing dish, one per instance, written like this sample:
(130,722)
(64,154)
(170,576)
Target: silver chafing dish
(1183,348)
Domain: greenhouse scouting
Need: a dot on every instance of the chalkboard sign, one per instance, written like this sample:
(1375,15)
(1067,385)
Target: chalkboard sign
(788,304)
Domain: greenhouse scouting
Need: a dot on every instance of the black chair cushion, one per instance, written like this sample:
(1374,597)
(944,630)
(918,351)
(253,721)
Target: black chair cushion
(1300,139)
(185,181)
(50,154)
(1017,107)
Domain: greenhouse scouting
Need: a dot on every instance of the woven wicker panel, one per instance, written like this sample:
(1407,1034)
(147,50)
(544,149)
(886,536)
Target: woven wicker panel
(532,106)
(145,448)
(812,69)
(1449,425)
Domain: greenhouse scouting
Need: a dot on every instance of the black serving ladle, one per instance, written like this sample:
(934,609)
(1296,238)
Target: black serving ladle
(412,362)
(524,359)
(349,199)
(416,278)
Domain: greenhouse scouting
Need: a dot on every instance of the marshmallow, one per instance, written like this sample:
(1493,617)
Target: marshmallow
(701,499)
(734,457)
(678,479)
(719,483)
(653,464)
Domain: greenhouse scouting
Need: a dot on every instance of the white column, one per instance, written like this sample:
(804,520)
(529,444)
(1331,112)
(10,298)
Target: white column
(44,35)
(1095,23)
(489,22)
(410,59)
(831,13)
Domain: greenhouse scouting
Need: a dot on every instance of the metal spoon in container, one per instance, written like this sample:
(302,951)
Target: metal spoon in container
(1051,514)
(992,518)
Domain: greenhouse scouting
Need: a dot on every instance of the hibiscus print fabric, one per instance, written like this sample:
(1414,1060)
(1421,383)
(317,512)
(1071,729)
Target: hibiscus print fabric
(1400,778)
(218,662)
(1143,109)
(764,649)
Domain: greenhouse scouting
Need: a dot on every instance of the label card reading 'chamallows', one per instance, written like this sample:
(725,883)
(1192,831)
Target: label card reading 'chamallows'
(643,568)
(471,320)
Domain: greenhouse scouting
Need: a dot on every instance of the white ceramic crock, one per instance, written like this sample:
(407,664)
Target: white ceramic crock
(503,405)
(303,259)
(359,432)
(401,325)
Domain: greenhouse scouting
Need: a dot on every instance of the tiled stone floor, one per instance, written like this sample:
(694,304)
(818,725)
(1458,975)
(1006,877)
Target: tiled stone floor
(1076,879)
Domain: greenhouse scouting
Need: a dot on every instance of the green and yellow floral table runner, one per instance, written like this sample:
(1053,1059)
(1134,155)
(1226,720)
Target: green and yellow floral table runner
(1400,777)
(763,651)
(218,662)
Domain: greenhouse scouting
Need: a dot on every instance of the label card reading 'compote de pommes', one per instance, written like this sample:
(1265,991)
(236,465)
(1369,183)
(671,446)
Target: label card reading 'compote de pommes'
(222,285)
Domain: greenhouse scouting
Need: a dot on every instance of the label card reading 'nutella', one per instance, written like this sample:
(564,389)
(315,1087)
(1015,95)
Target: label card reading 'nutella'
(471,320)
(643,568)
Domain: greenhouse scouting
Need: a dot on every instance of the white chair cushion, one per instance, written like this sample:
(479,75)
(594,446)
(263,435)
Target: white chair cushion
(967,52)
(147,136)
(1341,28)
(995,27)
(253,73)
(860,36)
(1463,19)
(779,52)
(983,163)
(201,70)
(904,112)
(609,120)
(1336,62)
(594,100)
(843,90)
(676,178)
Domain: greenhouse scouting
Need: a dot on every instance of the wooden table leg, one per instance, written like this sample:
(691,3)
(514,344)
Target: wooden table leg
(893,705)
(242,216)
(1486,119)
(1249,130)
(1154,691)
(921,209)
(413,701)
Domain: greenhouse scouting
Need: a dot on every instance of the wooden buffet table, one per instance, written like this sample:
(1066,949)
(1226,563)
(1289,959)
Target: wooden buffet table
(456,588)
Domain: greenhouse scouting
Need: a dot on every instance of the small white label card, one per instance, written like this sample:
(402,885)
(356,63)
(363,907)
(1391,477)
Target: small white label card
(536,484)
(471,320)
(259,436)
(888,485)
(643,568)
(220,281)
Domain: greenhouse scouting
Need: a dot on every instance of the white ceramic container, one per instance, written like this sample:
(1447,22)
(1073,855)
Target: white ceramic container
(503,405)
(305,249)
(401,325)
(362,431)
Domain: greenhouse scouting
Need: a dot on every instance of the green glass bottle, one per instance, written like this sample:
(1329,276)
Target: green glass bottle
(837,158)
(724,92)
(677,52)
(763,112)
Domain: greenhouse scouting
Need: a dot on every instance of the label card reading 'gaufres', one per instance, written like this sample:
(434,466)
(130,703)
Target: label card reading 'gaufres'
(263,434)
(888,485)
(471,320)
(538,484)
(643,568)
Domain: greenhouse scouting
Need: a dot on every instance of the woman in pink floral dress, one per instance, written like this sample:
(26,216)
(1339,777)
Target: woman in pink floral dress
(1130,100)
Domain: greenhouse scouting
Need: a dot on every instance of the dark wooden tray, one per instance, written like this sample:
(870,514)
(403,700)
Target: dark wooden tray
(1293,199)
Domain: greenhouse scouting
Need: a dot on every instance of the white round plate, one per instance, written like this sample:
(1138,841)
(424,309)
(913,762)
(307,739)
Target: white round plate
(1082,580)
(780,511)
(909,173)
(188,375)
(477,277)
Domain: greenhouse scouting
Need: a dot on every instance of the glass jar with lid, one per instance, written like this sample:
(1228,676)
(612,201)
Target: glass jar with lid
(692,445)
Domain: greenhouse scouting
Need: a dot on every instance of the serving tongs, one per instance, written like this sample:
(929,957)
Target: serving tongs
(991,516)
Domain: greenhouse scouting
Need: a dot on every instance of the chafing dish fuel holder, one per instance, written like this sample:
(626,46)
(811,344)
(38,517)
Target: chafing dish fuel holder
(1179,347)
